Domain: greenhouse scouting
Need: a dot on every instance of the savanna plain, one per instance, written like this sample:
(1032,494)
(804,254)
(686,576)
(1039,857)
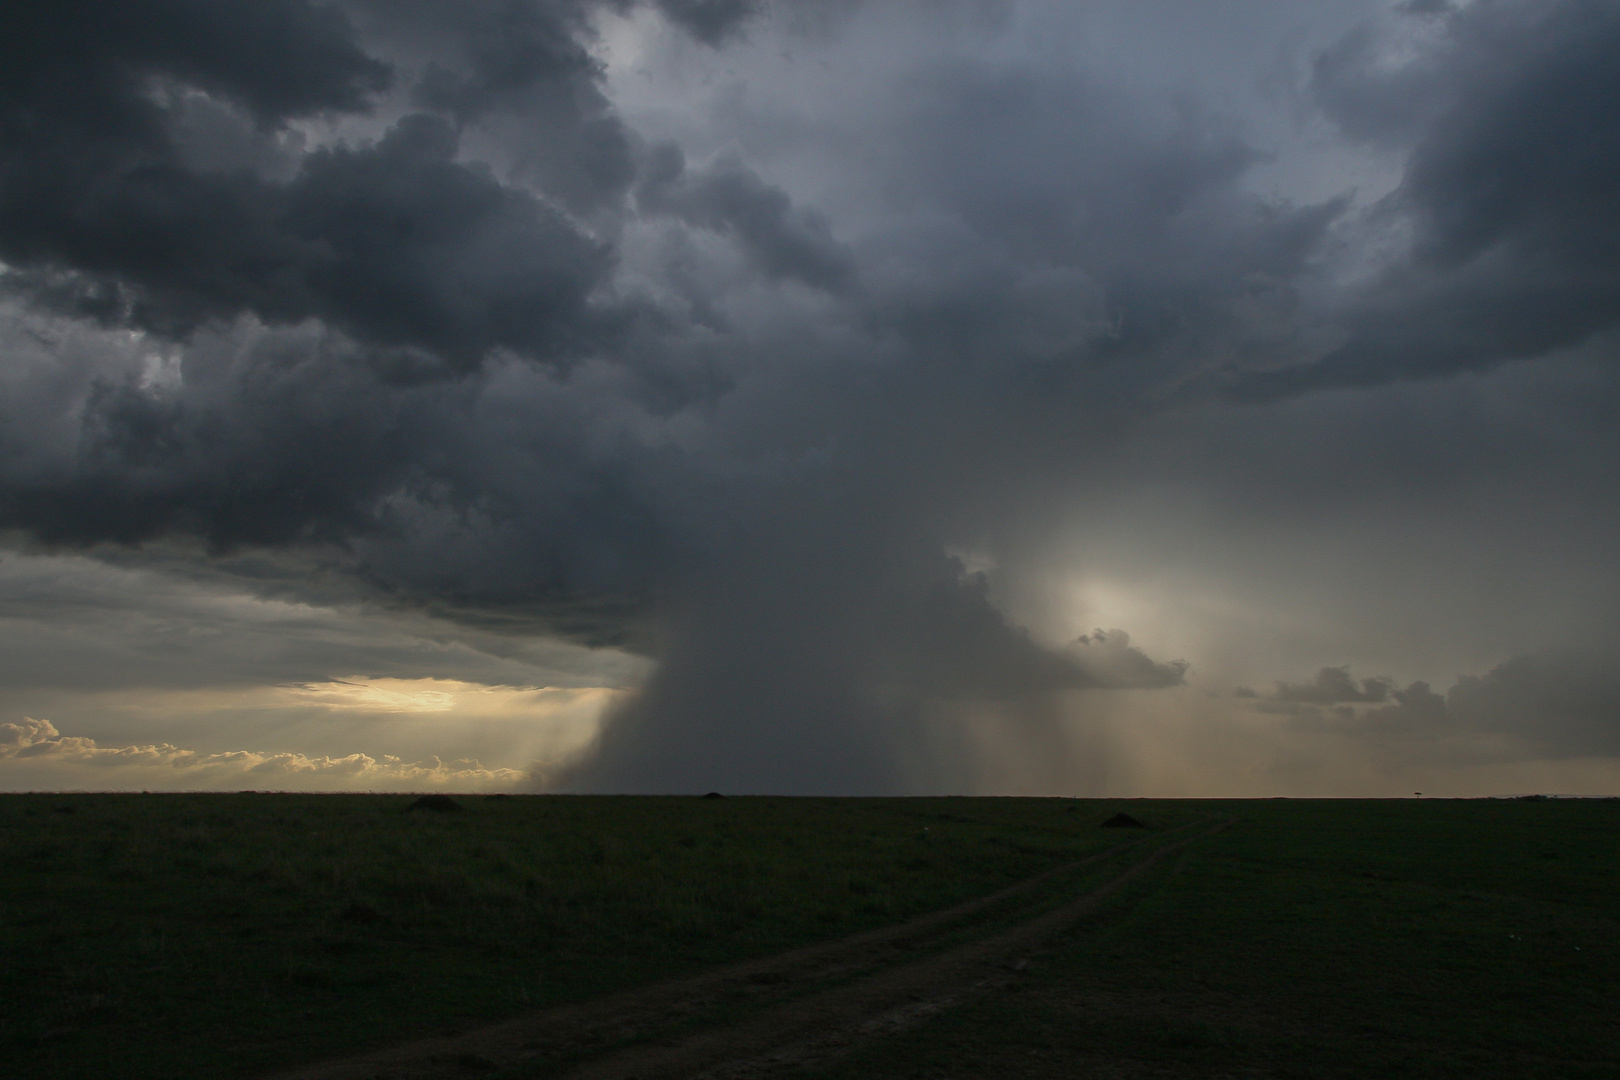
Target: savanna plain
(248,935)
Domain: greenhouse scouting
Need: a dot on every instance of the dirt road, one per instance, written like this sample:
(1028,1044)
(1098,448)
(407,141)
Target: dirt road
(764,1017)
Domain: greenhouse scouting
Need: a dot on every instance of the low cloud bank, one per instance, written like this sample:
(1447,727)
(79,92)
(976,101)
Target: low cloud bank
(34,751)
(1556,703)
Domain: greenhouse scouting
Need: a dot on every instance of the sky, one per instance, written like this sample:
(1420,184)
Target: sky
(1077,398)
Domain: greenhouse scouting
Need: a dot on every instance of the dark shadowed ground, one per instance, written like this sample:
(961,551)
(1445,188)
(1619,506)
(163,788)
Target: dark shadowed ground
(236,935)
(1323,939)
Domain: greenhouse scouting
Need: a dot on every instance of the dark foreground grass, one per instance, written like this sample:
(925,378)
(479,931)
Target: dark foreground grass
(1471,939)
(223,935)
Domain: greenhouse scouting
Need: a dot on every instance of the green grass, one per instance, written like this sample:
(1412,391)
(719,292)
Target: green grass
(220,935)
(1325,939)
(224,935)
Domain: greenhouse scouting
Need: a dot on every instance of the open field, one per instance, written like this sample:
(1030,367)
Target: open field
(238,935)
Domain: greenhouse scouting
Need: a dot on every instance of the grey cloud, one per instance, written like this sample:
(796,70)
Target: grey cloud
(1333,686)
(518,74)
(415,248)
(1424,7)
(710,21)
(1416,711)
(1059,165)
(104,207)
(79,66)
(1560,703)
(210,135)
(395,242)
(1414,707)
(474,497)
(1527,159)
(1366,99)
(827,678)
(1511,117)
(265,448)
(1566,702)
(1105,240)
(69,624)
(783,240)
(515,55)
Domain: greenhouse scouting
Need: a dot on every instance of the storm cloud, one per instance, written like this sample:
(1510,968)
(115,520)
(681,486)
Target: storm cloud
(786,349)
(1507,113)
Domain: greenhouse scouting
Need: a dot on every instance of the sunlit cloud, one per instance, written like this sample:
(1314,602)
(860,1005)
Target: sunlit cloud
(383,695)
(534,730)
(34,753)
(394,695)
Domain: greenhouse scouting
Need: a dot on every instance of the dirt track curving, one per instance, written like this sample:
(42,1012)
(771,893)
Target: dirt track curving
(802,1007)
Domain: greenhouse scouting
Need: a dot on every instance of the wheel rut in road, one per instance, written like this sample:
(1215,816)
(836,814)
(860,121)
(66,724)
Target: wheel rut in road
(796,1008)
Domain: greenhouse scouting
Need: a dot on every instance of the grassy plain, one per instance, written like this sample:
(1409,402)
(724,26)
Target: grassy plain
(226,935)
(209,935)
(1324,939)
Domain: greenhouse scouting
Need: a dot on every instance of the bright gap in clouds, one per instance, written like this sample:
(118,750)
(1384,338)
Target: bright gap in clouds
(533,728)
(127,677)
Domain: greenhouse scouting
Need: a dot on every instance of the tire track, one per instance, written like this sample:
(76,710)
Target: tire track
(828,1023)
(806,1005)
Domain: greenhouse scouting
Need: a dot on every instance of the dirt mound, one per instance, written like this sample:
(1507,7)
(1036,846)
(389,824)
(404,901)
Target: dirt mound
(1123,821)
(714,795)
(439,804)
(364,914)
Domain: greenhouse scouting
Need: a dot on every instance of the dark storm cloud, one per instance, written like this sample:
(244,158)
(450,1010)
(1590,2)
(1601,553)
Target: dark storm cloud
(395,241)
(80,65)
(1511,122)
(513,56)
(1086,238)
(783,240)
(475,497)
(418,249)
(710,21)
(520,71)
(294,448)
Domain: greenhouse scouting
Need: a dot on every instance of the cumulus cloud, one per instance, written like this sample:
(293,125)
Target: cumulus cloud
(34,749)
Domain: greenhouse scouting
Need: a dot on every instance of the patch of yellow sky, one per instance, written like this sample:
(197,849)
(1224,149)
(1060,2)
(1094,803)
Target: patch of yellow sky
(548,726)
